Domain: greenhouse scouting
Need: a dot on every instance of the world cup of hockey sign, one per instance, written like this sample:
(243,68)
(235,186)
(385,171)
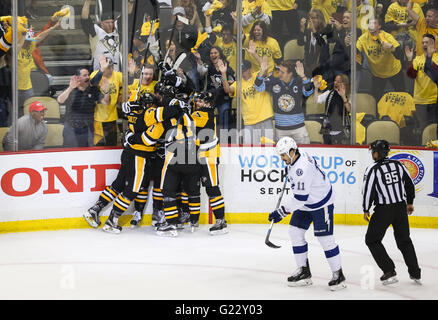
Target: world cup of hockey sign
(254,176)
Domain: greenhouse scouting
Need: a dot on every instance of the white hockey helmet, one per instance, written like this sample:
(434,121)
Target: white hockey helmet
(284,145)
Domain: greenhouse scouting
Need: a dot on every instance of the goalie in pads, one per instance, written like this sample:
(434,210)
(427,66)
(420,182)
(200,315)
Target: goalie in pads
(311,201)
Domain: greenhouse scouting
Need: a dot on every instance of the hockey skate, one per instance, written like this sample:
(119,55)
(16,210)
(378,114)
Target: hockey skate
(193,225)
(112,224)
(158,218)
(220,227)
(167,230)
(301,277)
(416,280)
(136,219)
(182,219)
(338,281)
(92,214)
(389,278)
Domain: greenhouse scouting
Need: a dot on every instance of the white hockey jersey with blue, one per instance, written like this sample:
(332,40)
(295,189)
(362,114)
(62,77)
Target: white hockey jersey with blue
(311,188)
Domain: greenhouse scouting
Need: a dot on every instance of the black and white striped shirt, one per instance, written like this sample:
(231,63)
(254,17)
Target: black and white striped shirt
(387,182)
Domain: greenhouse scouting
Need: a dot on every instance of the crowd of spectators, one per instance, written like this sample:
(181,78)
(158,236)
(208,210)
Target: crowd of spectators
(395,52)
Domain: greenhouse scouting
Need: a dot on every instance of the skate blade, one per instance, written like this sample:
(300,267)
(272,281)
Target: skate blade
(110,230)
(338,287)
(90,221)
(390,281)
(172,233)
(218,232)
(301,283)
(417,281)
(156,225)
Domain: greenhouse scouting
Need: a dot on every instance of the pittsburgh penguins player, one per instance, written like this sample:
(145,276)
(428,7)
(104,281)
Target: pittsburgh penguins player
(209,153)
(146,120)
(180,165)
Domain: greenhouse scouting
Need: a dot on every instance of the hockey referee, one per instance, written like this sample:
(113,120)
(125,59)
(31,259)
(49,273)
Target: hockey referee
(389,185)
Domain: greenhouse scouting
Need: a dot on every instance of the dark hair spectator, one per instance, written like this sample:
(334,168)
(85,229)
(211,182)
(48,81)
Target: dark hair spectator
(214,83)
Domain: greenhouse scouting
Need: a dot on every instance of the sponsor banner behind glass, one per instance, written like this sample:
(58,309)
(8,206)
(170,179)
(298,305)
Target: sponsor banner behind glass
(64,184)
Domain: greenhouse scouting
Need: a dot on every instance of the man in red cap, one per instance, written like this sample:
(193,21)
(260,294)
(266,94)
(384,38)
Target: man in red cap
(32,130)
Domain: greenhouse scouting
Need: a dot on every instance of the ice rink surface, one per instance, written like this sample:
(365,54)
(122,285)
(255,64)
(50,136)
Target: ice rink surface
(137,264)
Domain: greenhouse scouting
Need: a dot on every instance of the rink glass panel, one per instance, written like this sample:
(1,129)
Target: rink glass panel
(68,48)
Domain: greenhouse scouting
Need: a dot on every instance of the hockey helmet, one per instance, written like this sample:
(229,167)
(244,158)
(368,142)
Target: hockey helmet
(182,96)
(146,98)
(284,145)
(205,96)
(381,147)
(163,89)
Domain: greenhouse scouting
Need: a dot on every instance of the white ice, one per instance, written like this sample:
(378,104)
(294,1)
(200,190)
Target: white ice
(137,264)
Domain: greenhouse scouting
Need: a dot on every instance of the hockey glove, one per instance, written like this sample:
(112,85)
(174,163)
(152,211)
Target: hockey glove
(163,66)
(128,134)
(154,47)
(171,79)
(129,106)
(278,215)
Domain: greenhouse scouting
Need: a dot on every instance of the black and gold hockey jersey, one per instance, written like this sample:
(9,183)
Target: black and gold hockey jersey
(207,140)
(148,127)
(180,139)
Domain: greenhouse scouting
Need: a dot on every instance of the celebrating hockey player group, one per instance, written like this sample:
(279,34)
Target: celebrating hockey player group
(171,140)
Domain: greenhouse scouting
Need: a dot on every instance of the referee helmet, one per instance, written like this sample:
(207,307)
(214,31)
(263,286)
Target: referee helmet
(381,147)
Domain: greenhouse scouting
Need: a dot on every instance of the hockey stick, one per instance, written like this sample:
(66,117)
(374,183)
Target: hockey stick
(179,60)
(164,61)
(267,241)
(178,18)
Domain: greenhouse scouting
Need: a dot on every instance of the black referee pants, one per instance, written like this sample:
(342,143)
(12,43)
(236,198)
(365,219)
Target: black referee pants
(383,217)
